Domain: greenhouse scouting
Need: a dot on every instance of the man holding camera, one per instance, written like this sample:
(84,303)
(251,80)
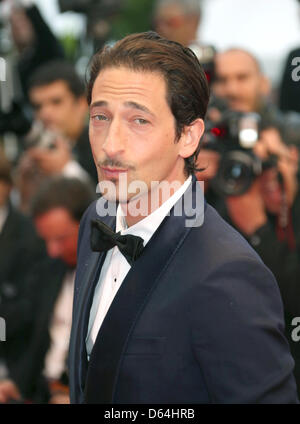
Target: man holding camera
(244,87)
(58,142)
(265,212)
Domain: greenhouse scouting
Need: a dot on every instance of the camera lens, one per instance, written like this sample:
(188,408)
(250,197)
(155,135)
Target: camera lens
(236,173)
(235,178)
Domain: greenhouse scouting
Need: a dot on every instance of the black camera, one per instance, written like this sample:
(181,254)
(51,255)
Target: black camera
(14,120)
(234,137)
(206,56)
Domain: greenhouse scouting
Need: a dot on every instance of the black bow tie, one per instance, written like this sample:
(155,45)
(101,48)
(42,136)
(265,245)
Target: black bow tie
(104,238)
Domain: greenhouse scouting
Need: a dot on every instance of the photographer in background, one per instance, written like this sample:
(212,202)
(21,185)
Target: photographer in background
(26,42)
(240,81)
(256,191)
(57,96)
(256,183)
(268,216)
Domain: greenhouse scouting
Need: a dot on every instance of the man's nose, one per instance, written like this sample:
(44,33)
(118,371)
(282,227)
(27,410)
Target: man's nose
(45,114)
(114,140)
(232,87)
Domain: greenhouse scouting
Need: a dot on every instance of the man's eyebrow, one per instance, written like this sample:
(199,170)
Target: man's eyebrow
(98,103)
(138,106)
(129,104)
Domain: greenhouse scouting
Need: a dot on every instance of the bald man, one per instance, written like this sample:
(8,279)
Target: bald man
(240,81)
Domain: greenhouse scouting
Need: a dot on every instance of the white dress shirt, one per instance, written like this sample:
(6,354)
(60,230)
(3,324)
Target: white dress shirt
(116,267)
(60,329)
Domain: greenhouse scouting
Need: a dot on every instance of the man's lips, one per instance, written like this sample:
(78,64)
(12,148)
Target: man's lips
(109,172)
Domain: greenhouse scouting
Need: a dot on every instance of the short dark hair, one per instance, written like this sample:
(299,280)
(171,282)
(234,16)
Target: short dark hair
(61,192)
(187,87)
(58,70)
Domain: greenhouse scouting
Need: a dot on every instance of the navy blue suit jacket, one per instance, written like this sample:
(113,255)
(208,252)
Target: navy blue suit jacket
(198,319)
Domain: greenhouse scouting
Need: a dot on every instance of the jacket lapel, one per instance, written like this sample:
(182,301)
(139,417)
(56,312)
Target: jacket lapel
(131,298)
(78,354)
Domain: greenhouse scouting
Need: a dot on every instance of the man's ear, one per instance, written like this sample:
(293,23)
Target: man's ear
(190,138)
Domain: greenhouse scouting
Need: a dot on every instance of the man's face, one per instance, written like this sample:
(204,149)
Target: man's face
(132,130)
(60,232)
(239,81)
(57,107)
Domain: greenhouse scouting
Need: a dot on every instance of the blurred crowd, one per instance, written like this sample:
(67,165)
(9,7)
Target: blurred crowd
(249,163)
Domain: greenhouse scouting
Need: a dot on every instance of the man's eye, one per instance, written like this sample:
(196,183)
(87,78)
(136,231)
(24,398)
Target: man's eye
(141,121)
(99,117)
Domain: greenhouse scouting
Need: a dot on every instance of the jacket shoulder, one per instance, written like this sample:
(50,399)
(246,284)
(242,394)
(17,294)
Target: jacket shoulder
(221,241)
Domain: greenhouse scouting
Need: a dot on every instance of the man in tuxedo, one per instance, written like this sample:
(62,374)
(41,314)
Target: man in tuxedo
(175,306)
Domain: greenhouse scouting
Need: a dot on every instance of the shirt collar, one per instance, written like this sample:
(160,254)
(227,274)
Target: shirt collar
(148,225)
